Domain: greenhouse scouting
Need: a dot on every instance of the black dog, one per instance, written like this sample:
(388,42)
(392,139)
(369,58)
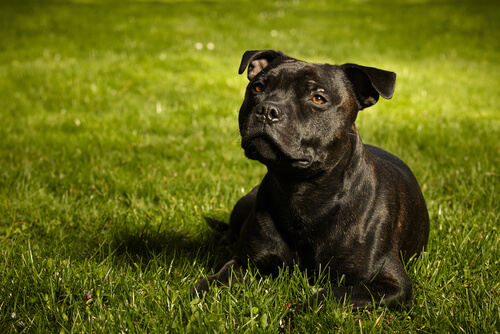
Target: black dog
(327,200)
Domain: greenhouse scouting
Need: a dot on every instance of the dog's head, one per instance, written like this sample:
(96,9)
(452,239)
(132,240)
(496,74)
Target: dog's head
(297,116)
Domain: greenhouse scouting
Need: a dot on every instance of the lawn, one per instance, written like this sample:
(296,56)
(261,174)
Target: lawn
(118,134)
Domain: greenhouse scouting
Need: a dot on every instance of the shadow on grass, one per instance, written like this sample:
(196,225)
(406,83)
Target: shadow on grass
(145,245)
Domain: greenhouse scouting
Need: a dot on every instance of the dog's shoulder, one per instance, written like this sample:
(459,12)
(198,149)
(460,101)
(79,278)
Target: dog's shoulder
(389,164)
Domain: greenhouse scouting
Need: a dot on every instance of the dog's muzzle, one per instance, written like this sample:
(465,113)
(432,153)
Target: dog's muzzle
(269,113)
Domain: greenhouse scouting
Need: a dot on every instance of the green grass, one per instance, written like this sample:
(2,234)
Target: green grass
(117,135)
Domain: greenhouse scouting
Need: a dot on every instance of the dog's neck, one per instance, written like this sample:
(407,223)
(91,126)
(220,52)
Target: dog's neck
(350,156)
(345,175)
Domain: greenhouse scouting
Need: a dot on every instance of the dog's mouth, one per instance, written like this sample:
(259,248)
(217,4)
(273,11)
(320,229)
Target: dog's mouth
(270,153)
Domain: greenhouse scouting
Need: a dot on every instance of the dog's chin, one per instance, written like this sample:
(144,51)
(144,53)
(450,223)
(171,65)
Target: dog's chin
(268,153)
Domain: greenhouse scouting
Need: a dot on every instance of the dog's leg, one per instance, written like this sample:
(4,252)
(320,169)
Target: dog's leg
(389,289)
(240,213)
(222,277)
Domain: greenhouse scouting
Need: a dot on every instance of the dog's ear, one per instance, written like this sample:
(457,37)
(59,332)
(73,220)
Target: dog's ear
(257,60)
(368,83)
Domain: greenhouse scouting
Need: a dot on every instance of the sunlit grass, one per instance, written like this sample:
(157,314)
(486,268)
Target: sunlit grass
(118,133)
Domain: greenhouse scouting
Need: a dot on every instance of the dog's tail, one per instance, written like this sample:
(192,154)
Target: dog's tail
(217,225)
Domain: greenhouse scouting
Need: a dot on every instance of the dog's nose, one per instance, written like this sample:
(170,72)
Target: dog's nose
(269,113)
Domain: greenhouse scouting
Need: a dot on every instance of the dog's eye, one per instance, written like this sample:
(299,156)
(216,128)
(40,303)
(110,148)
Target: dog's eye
(258,87)
(318,99)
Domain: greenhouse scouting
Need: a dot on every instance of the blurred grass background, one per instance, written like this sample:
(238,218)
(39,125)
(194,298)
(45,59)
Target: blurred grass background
(118,133)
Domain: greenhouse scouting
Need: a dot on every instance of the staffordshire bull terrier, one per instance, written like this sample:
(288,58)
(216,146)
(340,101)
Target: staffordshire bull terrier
(327,200)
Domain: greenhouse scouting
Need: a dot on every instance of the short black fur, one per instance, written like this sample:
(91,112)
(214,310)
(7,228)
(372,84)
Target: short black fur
(327,199)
